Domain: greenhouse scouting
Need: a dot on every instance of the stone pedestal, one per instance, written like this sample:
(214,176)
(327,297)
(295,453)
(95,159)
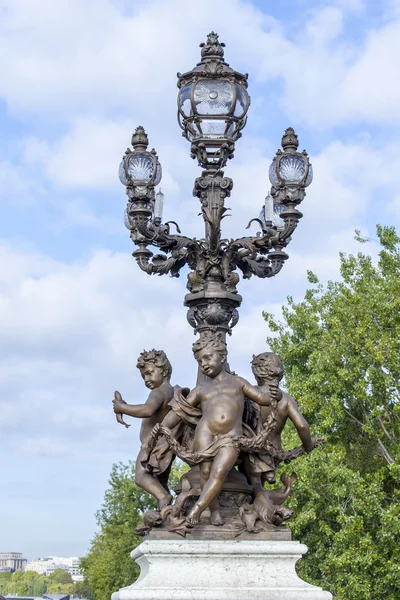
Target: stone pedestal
(180,569)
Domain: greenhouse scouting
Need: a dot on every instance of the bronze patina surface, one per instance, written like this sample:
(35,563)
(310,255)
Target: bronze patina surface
(227,429)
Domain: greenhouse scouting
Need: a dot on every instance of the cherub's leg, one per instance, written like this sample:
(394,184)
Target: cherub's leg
(222,464)
(150,484)
(163,477)
(205,469)
(253,478)
(215,518)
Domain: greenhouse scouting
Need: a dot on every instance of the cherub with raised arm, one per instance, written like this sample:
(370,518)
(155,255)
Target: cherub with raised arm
(220,401)
(268,371)
(155,370)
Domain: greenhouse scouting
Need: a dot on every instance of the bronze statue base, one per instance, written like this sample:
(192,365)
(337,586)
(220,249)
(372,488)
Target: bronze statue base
(205,531)
(237,516)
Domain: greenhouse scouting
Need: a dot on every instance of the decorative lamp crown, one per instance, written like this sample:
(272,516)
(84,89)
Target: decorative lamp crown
(212,106)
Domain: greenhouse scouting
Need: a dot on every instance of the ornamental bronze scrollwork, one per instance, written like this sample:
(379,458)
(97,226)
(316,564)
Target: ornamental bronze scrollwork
(227,429)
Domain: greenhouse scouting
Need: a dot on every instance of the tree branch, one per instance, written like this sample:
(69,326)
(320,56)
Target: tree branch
(385,431)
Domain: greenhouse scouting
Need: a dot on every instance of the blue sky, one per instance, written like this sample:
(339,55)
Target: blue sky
(75,311)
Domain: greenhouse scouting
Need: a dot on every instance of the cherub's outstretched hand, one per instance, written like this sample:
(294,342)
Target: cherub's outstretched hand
(118,405)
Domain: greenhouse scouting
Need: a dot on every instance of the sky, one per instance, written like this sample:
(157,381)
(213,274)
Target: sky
(75,310)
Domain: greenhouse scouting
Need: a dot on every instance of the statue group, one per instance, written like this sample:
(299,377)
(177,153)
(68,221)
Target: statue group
(228,431)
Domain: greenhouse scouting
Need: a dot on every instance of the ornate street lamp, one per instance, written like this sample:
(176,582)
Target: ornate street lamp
(212,108)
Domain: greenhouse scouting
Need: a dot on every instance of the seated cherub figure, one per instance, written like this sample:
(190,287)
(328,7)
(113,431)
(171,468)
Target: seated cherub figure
(155,370)
(268,371)
(221,401)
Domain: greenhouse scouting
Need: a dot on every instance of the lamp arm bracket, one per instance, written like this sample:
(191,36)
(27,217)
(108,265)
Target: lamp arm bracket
(160,264)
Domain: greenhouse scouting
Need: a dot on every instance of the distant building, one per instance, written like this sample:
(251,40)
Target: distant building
(39,566)
(12,561)
(51,567)
(46,566)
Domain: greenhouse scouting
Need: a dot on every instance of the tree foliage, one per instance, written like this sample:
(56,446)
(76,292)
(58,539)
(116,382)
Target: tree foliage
(108,565)
(60,576)
(341,348)
(31,583)
(82,589)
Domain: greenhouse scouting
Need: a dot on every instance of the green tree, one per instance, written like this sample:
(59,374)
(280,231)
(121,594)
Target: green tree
(82,590)
(29,579)
(17,576)
(5,579)
(18,588)
(39,586)
(59,576)
(60,588)
(108,565)
(341,349)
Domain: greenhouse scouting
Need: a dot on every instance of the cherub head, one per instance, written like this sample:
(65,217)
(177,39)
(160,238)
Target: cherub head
(210,353)
(154,367)
(267,367)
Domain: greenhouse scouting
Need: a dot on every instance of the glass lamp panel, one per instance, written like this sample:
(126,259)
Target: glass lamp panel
(159,205)
(309,176)
(212,154)
(213,128)
(184,100)
(126,219)
(277,220)
(278,207)
(232,130)
(140,167)
(121,173)
(193,130)
(268,208)
(158,174)
(272,173)
(242,101)
(213,97)
(292,168)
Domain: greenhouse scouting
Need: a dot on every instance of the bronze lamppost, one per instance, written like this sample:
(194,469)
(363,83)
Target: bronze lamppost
(225,428)
(212,108)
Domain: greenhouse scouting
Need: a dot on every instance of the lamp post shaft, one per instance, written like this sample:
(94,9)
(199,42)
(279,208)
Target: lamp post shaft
(212,108)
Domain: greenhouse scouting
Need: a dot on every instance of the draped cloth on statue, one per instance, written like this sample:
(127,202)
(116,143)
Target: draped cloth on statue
(157,453)
(159,449)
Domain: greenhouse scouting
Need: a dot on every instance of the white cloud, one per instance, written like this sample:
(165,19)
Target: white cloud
(71,335)
(116,59)
(79,77)
(86,157)
(45,447)
(17,186)
(127,60)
